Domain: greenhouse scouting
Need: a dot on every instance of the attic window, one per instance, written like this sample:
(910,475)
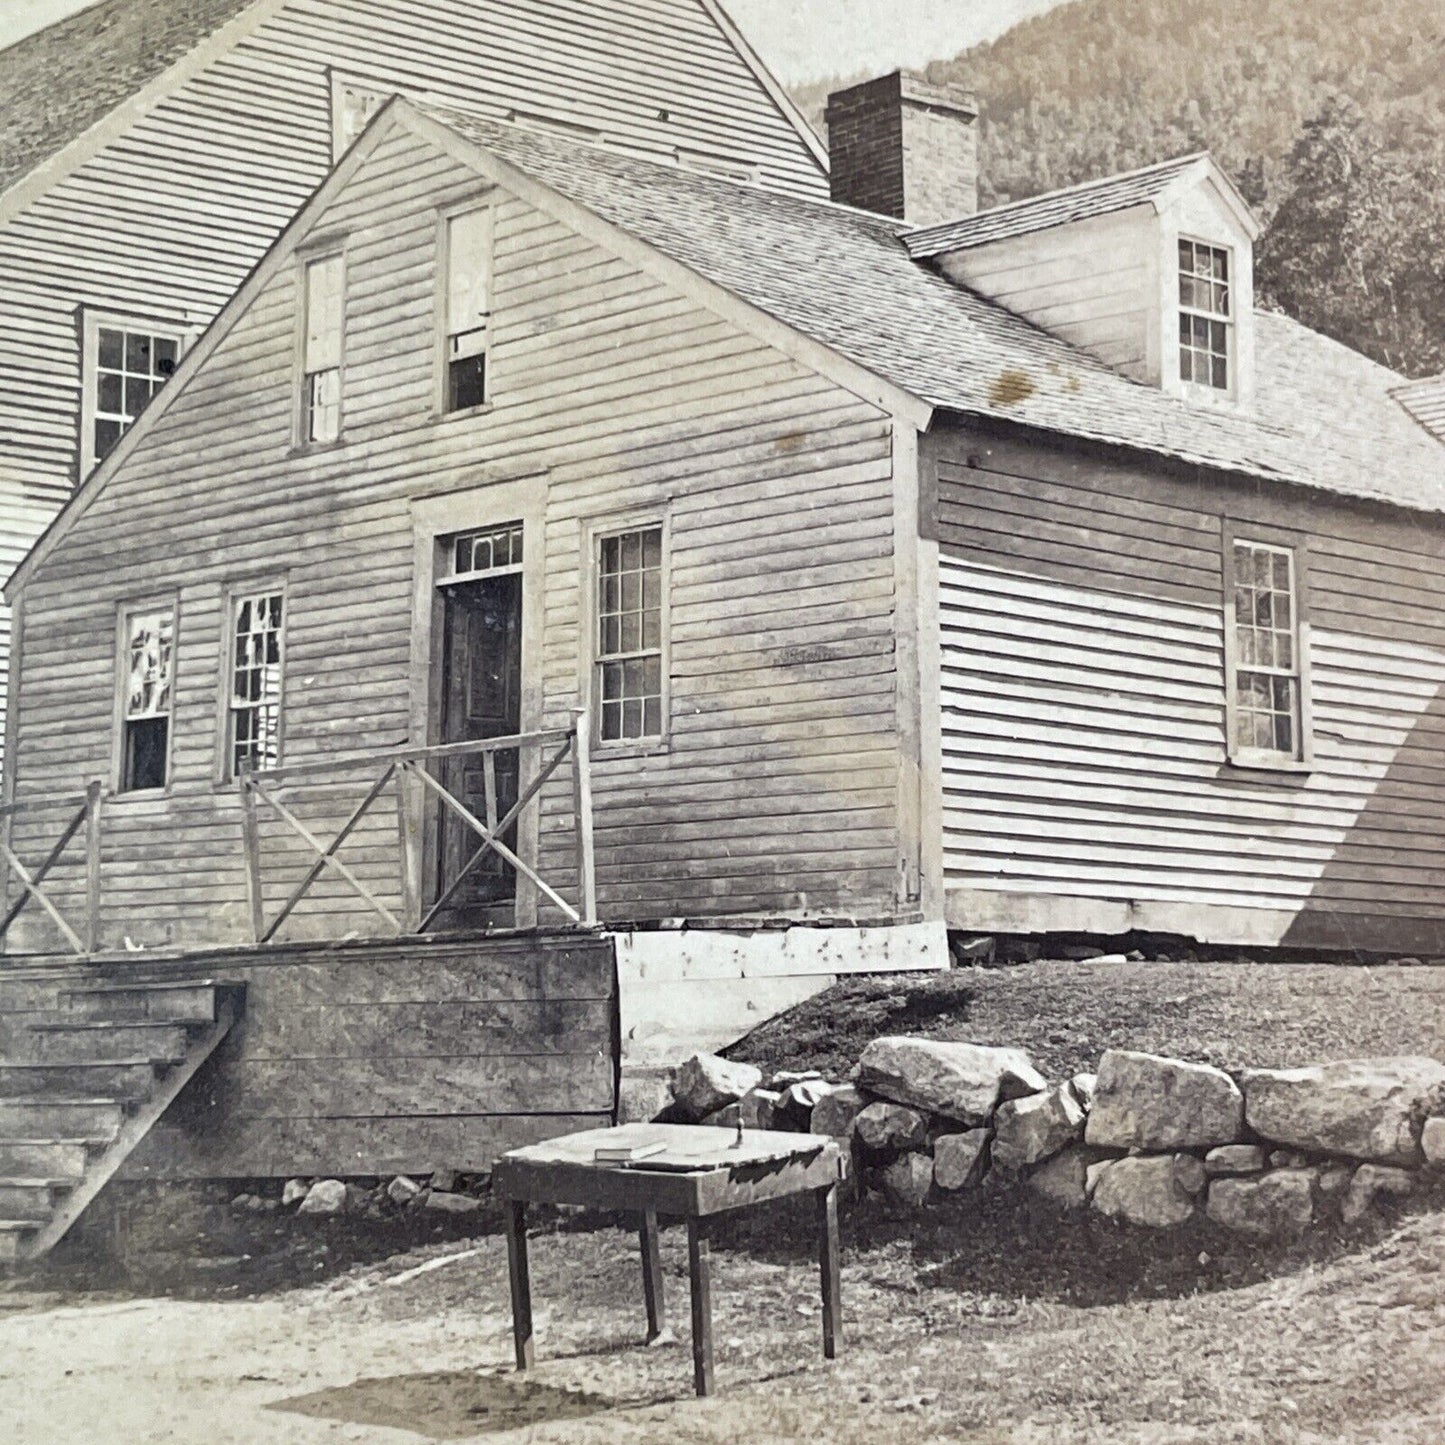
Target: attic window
(1205,315)
(352,107)
(727,168)
(125,363)
(322,343)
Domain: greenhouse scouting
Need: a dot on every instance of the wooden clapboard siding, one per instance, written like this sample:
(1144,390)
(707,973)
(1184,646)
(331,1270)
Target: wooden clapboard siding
(777,790)
(166,220)
(1086,783)
(379,1057)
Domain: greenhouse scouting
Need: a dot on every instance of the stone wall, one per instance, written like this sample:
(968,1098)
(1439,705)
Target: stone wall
(1147,1141)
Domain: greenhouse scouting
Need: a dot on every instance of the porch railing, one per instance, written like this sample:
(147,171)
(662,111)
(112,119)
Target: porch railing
(399,766)
(80,810)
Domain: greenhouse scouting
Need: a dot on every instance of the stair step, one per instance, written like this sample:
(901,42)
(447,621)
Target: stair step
(192,1002)
(13,1233)
(54,1118)
(54,1158)
(27,1198)
(72,1042)
(128,1079)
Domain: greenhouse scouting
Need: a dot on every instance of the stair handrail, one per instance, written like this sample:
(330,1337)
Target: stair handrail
(86,815)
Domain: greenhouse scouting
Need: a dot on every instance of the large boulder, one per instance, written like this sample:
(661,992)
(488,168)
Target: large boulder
(835,1114)
(326,1196)
(1028,1131)
(891,1126)
(1369,1109)
(1267,1206)
(1145,1190)
(959,1160)
(966,1082)
(1143,1101)
(707,1083)
(642,1094)
(1372,1182)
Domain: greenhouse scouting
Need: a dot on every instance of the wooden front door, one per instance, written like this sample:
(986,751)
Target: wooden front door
(481,698)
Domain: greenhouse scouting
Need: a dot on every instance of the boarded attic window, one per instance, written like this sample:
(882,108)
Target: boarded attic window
(468,248)
(1205,315)
(352,108)
(324,304)
(727,168)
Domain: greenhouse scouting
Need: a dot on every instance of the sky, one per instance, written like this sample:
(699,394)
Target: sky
(799,39)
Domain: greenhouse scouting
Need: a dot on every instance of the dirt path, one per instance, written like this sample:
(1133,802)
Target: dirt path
(417,1349)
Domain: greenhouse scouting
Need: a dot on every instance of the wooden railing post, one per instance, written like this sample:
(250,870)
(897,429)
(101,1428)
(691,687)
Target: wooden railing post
(94,793)
(251,834)
(582,814)
(408,838)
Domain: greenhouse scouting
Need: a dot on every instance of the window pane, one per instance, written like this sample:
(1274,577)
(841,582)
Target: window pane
(107,434)
(111,348)
(146,745)
(167,353)
(110,393)
(137,393)
(137,353)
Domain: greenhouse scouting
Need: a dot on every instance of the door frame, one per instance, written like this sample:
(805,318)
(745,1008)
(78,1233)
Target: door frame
(471,506)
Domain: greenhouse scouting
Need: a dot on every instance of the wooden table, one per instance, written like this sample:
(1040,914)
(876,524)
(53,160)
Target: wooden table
(701,1172)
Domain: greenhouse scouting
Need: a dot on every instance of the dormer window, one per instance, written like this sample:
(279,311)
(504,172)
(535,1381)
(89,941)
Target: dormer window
(1206,318)
(353,105)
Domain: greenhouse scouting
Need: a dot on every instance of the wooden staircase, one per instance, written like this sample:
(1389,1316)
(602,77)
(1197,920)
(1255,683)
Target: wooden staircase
(82,1086)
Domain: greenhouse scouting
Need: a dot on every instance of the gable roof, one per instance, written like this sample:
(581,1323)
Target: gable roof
(58,82)
(894,330)
(1425,401)
(1152,185)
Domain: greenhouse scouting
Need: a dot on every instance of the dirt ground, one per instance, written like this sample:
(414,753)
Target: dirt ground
(982,1324)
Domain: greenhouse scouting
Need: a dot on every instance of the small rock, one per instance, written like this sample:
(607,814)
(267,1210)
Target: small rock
(1267,1206)
(1028,1131)
(1371,1183)
(973,950)
(1143,1101)
(707,1083)
(401,1190)
(1135,955)
(759,1108)
(1085,1086)
(892,1126)
(795,1106)
(244,1202)
(786,1078)
(1064,1179)
(444,1180)
(1333,1180)
(959,1160)
(443,1202)
(326,1196)
(1432,1141)
(959,1081)
(1235,1159)
(1191,1173)
(294,1192)
(1363,1108)
(835,1114)
(1144,1190)
(1287,1159)
(908,1179)
(1106,958)
(357,1199)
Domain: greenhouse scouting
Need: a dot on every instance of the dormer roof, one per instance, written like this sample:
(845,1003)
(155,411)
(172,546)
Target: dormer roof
(1155,186)
(1425,401)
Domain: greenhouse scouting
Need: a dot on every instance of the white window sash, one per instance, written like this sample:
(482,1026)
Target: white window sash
(469,278)
(325,285)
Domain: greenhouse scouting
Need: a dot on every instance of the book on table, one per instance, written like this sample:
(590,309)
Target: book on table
(628,1153)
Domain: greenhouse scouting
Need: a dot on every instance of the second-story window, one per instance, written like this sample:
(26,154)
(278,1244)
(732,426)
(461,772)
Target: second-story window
(253,737)
(324,303)
(1268,681)
(147,673)
(1205,315)
(124,364)
(468,307)
(630,636)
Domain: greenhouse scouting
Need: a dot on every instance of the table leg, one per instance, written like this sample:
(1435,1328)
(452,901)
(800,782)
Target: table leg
(832,1277)
(700,1268)
(652,1275)
(521,1279)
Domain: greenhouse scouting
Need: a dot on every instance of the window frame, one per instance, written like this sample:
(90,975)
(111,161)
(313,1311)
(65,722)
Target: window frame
(1228,321)
(594,532)
(485,199)
(125,610)
(1296,547)
(340,82)
(94,320)
(232,594)
(321,251)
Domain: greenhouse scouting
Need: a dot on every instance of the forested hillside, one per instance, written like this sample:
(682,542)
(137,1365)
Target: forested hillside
(1329,113)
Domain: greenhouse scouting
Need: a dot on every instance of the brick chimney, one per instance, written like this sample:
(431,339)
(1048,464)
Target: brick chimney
(904,148)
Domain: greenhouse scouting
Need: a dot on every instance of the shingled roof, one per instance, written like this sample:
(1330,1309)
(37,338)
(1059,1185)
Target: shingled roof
(1062,208)
(57,83)
(845,279)
(1425,401)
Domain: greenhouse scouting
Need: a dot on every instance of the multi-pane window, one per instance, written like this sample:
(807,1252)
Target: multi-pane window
(1267,675)
(629,635)
(490,550)
(128,366)
(147,665)
(1205,314)
(468,306)
(254,739)
(321,382)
